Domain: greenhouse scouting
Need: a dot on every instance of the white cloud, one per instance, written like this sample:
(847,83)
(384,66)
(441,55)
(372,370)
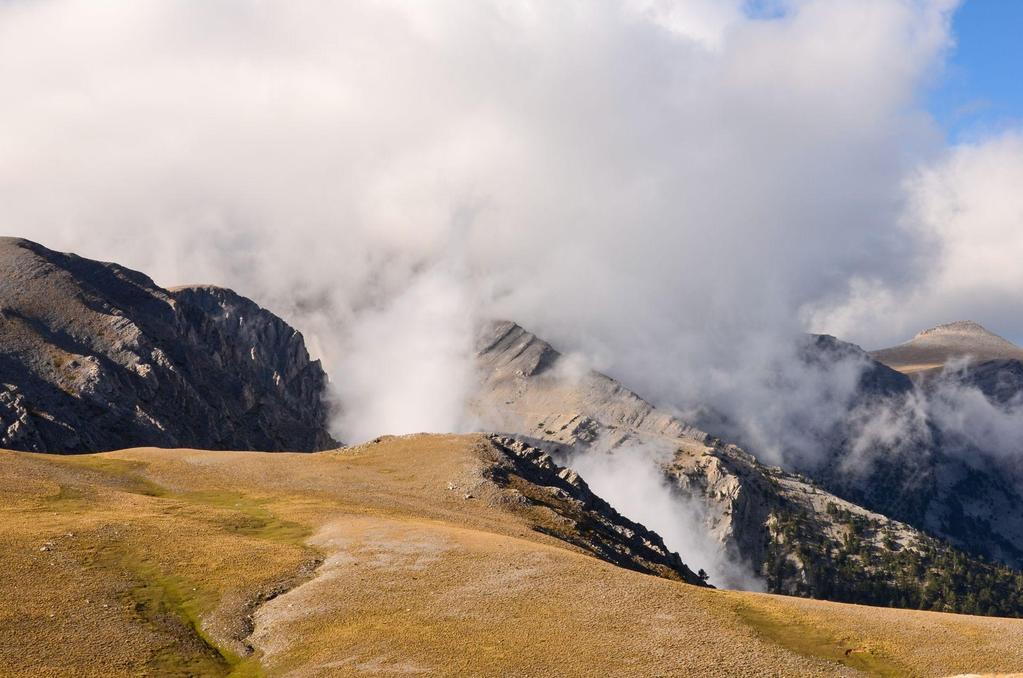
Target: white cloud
(705,22)
(966,216)
(661,185)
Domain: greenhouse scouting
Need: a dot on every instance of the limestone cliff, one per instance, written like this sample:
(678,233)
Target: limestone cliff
(796,535)
(95,356)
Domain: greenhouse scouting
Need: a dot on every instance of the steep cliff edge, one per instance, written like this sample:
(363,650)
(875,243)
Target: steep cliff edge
(95,356)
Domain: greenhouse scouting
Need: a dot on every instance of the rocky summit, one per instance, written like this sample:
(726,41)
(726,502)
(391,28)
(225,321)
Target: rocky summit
(932,348)
(95,356)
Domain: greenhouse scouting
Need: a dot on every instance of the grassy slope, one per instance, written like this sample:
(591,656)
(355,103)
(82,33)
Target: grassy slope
(181,562)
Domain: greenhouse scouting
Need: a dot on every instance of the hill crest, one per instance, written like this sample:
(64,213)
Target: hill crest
(932,348)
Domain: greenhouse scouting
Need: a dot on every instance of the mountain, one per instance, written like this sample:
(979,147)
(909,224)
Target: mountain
(95,356)
(934,348)
(928,476)
(1000,380)
(580,517)
(798,537)
(433,555)
(924,477)
(973,355)
(528,388)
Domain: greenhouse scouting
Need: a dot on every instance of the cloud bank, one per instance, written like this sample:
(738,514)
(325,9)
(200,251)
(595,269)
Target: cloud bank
(964,211)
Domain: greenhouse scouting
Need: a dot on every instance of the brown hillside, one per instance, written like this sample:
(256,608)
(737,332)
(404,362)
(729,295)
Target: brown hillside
(404,556)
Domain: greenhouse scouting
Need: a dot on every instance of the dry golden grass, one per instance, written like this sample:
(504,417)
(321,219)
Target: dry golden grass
(150,562)
(917,368)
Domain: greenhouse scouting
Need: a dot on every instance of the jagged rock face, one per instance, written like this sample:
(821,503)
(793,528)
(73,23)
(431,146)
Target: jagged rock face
(530,389)
(523,376)
(968,497)
(802,538)
(94,356)
(583,518)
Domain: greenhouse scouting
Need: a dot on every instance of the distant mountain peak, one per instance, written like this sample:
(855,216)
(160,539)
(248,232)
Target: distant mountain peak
(933,348)
(959,328)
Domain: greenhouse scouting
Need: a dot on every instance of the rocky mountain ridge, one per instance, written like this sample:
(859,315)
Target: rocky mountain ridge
(95,356)
(583,518)
(929,476)
(800,538)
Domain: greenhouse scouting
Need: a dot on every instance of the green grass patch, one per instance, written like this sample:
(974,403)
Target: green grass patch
(121,474)
(810,641)
(244,515)
(116,474)
(174,606)
(169,604)
(234,513)
(68,497)
(249,517)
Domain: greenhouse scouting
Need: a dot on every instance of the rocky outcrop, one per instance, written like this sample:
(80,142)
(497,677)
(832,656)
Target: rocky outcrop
(801,538)
(95,356)
(526,381)
(565,408)
(929,476)
(581,517)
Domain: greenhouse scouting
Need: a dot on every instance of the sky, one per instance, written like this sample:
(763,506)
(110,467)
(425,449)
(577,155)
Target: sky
(674,189)
(975,97)
(980,90)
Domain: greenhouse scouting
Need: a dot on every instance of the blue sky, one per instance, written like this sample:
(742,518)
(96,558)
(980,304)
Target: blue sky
(981,90)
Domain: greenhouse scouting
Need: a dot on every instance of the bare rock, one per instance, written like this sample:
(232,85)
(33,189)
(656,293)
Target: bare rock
(95,356)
